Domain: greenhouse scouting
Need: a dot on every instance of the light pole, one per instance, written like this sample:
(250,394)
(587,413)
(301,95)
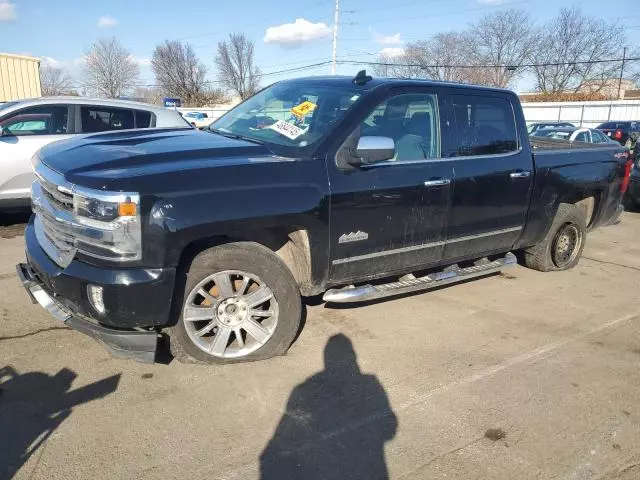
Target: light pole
(624,57)
(336,17)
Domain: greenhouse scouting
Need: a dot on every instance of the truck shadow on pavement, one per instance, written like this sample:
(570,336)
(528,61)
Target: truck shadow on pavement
(335,425)
(33,405)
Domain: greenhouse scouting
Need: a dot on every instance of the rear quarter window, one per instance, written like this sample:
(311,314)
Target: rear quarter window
(143,119)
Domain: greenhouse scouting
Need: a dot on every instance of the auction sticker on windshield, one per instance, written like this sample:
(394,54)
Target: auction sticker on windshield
(303,109)
(287,129)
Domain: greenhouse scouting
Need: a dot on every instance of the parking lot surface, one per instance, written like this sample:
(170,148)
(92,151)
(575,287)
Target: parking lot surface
(515,376)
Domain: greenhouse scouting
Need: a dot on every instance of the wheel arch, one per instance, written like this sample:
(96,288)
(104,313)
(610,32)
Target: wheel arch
(291,244)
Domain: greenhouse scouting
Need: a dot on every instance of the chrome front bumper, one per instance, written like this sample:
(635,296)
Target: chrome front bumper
(137,345)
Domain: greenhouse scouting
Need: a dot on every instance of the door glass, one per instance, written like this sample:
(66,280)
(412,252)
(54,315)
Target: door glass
(598,137)
(582,137)
(484,126)
(102,119)
(143,119)
(37,121)
(412,121)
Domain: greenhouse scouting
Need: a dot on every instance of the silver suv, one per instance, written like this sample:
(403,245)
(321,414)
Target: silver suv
(28,125)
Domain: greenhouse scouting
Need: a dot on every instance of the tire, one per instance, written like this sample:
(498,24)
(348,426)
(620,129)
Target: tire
(545,256)
(229,305)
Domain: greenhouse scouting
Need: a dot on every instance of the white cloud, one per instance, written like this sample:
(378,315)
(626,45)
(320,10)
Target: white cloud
(296,33)
(395,39)
(392,52)
(107,21)
(143,62)
(7,11)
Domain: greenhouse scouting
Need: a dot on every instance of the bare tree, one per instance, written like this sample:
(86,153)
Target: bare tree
(443,57)
(503,41)
(111,70)
(54,81)
(570,48)
(152,95)
(237,70)
(180,74)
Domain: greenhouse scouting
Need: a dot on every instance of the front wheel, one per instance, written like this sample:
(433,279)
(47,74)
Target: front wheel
(241,303)
(562,247)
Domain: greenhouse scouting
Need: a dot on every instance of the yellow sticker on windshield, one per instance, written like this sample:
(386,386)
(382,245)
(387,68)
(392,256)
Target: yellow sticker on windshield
(303,109)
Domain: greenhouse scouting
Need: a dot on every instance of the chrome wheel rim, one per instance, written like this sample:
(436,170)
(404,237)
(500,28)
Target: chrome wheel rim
(230,314)
(566,245)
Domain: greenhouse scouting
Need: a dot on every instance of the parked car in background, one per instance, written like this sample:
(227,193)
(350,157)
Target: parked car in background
(360,179)
(198,119)
(625,133)
(534,127)
(632,196)
(28,125)
(587,135)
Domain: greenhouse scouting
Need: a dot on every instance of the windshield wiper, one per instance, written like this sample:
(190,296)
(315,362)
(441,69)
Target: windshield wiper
(235,136)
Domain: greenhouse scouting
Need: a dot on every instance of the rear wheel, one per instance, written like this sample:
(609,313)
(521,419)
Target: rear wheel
(562,247)
(241,303)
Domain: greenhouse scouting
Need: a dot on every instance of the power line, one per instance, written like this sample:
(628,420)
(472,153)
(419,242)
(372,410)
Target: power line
(523,65)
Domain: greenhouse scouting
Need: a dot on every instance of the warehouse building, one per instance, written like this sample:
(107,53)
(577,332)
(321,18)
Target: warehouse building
(19,77)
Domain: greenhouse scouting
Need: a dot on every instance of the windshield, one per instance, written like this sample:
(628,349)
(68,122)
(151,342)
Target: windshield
(288,116)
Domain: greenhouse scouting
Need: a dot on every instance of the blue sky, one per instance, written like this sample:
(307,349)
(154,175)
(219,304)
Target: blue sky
(63,30)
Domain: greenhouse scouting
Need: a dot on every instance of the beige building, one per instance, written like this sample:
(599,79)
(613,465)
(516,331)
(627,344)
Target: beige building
(19,77)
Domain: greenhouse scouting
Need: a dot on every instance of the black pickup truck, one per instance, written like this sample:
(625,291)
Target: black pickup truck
(357,188)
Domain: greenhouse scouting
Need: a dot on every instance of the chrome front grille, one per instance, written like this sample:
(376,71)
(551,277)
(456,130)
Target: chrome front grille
(53,206)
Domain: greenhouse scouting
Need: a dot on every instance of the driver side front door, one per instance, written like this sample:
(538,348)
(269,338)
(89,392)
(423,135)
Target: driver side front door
(390,217)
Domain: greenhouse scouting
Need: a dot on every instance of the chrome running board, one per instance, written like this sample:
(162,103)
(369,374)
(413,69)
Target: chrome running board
(365,293)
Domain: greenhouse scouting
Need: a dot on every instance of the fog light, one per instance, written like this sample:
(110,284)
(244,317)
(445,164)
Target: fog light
(94,292)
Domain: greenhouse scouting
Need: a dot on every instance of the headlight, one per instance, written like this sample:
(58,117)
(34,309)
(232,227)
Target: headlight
(108,225)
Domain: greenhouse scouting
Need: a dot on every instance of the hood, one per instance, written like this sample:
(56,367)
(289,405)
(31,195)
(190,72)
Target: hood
(95,160)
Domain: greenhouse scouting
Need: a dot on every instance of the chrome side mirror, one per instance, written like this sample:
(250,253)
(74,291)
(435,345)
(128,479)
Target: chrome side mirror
(373,149)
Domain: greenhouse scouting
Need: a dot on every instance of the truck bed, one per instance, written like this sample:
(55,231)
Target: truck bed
(540,143)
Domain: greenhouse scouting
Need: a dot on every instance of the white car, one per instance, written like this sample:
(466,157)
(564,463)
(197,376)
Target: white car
(198,119)
(28,125)
(573,134)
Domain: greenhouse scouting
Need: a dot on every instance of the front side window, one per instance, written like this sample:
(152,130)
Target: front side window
(289,117)
(103,119)
(484,126)
(36,121)
(412,121)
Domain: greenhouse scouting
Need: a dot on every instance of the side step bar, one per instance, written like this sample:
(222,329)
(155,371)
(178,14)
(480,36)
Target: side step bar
(365,293)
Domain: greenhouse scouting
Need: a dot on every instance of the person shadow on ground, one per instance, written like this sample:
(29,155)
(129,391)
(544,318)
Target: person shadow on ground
(335,426)
(33,405)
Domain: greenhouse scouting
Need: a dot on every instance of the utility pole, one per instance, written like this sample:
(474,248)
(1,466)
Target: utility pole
(336,17)
(624,57)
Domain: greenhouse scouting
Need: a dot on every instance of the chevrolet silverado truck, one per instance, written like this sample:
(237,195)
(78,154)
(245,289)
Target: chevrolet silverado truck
(354,188)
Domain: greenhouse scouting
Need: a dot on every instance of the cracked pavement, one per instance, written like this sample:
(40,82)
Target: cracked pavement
(549,361)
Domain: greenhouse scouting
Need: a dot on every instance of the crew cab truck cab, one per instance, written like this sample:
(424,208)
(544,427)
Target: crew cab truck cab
(312,186)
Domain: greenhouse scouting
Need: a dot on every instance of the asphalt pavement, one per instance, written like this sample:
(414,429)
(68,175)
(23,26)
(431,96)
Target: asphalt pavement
(515,376)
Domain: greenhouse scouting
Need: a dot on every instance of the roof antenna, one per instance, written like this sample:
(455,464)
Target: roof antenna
(362,78)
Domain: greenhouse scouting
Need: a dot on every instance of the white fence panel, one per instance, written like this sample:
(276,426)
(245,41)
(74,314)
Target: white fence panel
(587,114)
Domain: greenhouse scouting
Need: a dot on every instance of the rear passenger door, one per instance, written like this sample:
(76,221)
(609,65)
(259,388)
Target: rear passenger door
(493,177)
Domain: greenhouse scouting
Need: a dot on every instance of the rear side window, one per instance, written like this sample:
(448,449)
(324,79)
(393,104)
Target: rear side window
(103,119)
(484,126)
(599,137)
(143,119)
(46,120)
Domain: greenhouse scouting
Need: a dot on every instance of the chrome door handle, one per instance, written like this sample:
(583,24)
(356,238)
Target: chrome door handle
(520,174)
(437,182)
